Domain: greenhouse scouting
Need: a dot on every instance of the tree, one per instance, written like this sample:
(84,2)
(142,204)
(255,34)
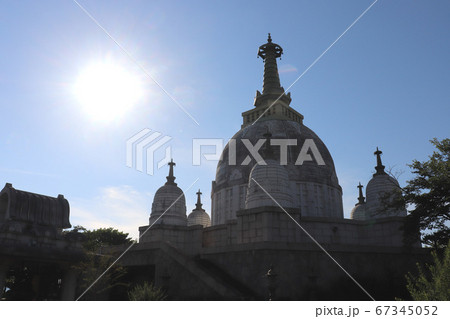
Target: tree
(433,284)
(428,194)
(97,260)
(146,292)
(96,239)
(91,271)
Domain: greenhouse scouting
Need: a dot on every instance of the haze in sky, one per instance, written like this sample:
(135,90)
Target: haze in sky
(71,96)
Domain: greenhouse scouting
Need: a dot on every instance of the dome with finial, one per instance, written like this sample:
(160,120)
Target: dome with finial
(380,191)
(313,184)
(359,212)
(169,203)
(268,177)
(198,216)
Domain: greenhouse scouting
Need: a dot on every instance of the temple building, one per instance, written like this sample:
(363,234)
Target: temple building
(270,210)
(33,249)
(277,228)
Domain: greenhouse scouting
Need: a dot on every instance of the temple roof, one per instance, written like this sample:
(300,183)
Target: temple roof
(18,205)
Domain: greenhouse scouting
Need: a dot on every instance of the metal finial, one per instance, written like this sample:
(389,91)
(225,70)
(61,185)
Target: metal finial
(377,152)
(199,203)
(380,166)
(269,38)
(171,177)
(361,198)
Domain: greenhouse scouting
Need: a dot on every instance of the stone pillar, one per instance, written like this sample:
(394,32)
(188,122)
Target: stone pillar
(69,285)
(4,267)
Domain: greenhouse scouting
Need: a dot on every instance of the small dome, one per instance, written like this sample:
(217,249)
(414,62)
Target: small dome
(198,216)
(360,212)
(379,185)
(169,203)
(272,178)
(381,190)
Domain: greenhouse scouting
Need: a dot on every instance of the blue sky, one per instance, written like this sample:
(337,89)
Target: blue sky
(385,83)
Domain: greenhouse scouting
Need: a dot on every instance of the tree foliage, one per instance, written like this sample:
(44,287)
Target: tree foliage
(146,292)
(434,282)
(95,240)
(98,276)
(104,237)
(428,195)
(98,265)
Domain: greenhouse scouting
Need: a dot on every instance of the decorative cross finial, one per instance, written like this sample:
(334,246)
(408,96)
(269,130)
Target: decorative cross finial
(199,203)
(361,198)
(380,166)
(269,38)
(171,178)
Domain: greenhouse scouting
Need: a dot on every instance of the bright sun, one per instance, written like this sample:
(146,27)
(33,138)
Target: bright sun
(106,91)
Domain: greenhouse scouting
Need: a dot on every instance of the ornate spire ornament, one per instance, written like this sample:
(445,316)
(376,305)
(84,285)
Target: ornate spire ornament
(380,166)
(269,52)
(361,198)
(171,178)
(273,102)
(199,204)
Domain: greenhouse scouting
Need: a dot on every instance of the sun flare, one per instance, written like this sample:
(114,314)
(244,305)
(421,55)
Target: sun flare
(106,91)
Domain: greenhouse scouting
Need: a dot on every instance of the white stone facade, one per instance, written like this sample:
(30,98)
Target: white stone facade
(169,206)
(314,199)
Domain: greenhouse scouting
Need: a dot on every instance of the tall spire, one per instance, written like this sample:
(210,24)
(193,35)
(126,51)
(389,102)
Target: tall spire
(272,89)
(199,204)
(361,198)
(380,166)
(269,52)
(171,178)
(273,102)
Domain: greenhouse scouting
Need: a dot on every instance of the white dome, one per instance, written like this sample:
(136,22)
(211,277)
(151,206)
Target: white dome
(380,191)
(314,188)
(273,179)
(198,216)
(359,212)
(169,203)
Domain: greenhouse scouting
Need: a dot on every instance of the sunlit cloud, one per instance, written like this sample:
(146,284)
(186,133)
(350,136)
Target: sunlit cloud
(287,68)
(121,207)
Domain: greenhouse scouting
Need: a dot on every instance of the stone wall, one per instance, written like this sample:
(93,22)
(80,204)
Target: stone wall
(304,272)
(229,261)
(187,239)
(271,224)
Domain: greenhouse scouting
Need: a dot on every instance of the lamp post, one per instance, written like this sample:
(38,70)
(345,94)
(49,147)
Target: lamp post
(271,282)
